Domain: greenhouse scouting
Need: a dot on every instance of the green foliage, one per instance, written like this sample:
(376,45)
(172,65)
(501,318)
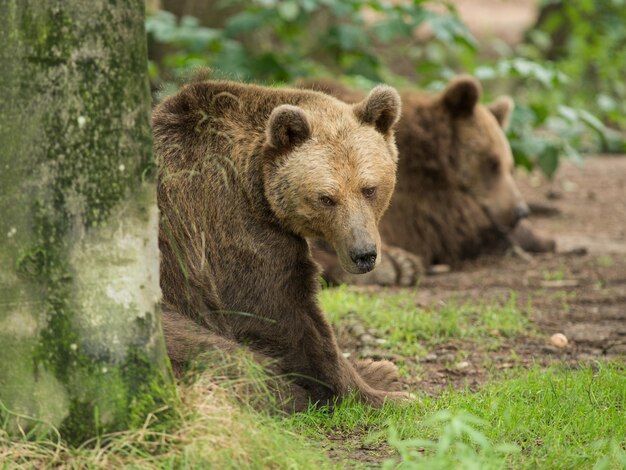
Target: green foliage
(586,40)
(565,131)
(279,41)
(560,417)
(460,444)
(372,41)
(574,55)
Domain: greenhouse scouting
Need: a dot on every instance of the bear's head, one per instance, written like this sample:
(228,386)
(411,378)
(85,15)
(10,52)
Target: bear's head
(481,151)
(330,170)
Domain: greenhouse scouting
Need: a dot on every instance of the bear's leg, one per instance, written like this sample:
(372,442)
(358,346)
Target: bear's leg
(313,353)
(185,340)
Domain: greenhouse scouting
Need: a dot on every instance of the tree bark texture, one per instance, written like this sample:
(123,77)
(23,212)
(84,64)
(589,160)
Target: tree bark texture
(81,346)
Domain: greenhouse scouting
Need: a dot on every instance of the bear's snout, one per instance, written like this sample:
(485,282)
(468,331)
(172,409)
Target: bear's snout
(364,258)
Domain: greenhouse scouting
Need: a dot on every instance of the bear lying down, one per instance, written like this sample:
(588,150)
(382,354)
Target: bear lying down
(245,174)
(455,196)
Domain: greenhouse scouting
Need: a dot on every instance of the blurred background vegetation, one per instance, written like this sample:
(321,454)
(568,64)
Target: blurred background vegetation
(562,61)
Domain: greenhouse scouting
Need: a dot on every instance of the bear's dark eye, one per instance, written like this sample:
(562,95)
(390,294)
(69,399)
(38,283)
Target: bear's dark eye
(369,192)
(327,201)
(493,165)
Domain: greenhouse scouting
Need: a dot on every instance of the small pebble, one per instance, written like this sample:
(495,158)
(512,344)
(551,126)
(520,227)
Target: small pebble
(569,186)
(430,357)
(559,340)
(357,329)
(463,365)
(447,357)
(367,339)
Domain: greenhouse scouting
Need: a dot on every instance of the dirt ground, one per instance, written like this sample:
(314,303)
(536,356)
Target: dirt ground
(580,291)
(503,19)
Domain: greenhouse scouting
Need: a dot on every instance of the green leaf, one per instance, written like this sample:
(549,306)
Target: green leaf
(592,121)
(388,30)
(568,113)
(548,161)
(521,157)
(244,22)
(485,72)
(289,11)
(350,37)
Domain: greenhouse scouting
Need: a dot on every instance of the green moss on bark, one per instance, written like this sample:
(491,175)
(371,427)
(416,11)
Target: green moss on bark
(116,398)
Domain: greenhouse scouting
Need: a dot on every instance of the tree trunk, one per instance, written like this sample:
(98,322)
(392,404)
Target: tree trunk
(81,346)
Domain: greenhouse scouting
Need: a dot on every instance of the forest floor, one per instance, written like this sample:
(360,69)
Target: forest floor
(498,313)
(473,347)
(579,291)
(506,20)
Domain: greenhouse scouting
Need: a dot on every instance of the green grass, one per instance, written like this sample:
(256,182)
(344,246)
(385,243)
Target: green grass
(558,275)
(555,418)
(559,418)
(408,329)
(605,261)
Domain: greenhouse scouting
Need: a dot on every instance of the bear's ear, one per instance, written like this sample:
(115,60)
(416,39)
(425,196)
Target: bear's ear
(380,109)
(287,127)
(502,109)
(461,95)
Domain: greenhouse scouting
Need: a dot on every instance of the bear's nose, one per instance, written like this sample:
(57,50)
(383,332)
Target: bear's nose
(522,212)
(365,259)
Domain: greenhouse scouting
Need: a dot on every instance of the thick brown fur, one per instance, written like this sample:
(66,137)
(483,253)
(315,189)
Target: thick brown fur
(455,197)
(245,174)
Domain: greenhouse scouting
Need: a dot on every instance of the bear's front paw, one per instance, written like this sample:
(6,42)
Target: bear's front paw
(380,375)
(532,240)
(377,398)
(408,267)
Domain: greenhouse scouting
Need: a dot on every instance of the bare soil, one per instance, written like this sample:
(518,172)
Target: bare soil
(506,20)
(579,291)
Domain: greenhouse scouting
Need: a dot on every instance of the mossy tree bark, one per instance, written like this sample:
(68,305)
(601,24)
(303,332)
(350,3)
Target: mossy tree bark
(81,347)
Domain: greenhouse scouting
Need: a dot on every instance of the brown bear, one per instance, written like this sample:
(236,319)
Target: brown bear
(245,174)
(455,196)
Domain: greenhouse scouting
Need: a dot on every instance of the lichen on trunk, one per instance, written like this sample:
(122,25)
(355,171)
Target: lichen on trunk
(81,347)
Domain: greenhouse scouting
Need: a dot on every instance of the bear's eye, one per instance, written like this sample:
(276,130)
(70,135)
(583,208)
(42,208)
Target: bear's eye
(369,192)
(327,201)
(493,165)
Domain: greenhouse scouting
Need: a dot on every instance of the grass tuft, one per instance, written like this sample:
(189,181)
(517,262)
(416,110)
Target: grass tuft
(212,429)
(408,328)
